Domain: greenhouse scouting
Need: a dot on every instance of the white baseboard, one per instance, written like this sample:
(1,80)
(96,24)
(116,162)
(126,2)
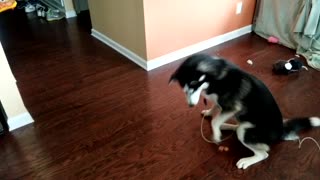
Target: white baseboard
(121,49)
(19,121)
(71,14)
(187,51)
(176,55)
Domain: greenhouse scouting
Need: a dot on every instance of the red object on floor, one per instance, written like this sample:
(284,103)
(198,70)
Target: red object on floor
(273,39)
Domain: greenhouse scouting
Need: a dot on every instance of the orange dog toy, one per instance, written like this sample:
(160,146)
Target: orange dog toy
(7,4)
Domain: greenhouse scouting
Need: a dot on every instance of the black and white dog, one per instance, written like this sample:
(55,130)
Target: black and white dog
(242,96)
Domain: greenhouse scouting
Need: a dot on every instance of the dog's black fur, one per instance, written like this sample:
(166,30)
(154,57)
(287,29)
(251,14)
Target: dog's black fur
(234,86)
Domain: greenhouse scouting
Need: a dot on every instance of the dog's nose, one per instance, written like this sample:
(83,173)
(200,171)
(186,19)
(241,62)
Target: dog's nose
(191,105)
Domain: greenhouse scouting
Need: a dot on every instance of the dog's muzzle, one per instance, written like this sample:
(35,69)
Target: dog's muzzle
(191,102)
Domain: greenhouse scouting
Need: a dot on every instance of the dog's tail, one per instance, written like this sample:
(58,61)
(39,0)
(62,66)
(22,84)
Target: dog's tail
(293,126)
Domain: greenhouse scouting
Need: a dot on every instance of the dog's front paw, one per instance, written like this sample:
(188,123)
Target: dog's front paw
(207,113)
(216,138)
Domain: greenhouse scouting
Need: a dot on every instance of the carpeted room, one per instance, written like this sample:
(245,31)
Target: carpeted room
(97,114)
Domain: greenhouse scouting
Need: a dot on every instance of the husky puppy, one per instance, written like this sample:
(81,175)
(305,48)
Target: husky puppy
(239,95)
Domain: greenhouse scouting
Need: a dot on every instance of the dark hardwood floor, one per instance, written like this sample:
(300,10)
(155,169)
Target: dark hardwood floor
(99,116)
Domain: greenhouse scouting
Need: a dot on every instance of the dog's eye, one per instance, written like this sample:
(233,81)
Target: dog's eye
(193,82)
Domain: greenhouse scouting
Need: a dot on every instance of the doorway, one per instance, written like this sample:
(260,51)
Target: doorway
(80,5)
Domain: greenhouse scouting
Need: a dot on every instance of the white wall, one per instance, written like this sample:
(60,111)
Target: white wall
(10,96)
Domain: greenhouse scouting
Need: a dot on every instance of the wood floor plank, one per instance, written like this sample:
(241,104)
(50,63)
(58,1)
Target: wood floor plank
(99,116)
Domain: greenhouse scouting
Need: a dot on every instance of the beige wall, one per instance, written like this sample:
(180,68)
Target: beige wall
(69,5)
(153,28)
(174,24)
(9,93)
(122,21)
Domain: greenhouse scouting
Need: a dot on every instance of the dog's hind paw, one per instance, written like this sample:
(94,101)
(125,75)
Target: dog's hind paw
(244,163)
(291,137)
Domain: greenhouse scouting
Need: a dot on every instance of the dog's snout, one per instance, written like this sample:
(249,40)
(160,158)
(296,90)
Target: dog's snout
(191,105)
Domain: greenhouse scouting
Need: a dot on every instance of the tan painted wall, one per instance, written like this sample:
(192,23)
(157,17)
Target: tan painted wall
(9,93)
(153,28)
(68,5)
(122,21)
(174,24)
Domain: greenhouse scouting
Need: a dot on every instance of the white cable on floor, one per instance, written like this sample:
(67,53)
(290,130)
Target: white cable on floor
(301,141)
(204,138)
